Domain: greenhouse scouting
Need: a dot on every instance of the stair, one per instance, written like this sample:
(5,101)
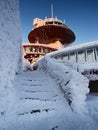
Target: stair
(40,105)
(39,99)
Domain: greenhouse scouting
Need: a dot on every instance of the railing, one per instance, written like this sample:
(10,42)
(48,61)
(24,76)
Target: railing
(83,58)
(84,53)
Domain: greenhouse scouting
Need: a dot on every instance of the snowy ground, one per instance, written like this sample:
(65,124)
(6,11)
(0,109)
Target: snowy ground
(40,105)
(92,105)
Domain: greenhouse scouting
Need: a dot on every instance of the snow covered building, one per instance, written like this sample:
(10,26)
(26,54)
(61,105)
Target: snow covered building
(47,35)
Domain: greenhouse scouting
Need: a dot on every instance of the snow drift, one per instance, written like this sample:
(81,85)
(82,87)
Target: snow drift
(10,46)
(26,65)
(73,84)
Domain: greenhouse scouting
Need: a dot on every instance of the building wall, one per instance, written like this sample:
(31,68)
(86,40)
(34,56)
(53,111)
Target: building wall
(10,45)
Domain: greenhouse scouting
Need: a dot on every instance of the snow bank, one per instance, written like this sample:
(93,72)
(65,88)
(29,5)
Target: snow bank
(10,47)
(90,70)
(26,65)
(73,84)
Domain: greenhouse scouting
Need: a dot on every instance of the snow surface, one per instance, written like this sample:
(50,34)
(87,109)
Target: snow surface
(26,65)
(10,49)
(54,97)
(40,105)
(81,68)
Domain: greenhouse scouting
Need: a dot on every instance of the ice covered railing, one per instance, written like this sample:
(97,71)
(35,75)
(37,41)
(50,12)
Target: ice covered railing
(76,47)
(73,85)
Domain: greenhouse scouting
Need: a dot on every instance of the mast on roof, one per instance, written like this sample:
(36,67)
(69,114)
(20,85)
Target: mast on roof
(51,10)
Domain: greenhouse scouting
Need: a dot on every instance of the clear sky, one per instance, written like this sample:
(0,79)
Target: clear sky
(80,15)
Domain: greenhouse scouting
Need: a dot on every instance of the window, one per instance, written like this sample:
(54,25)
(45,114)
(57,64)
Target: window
(46,51)
(39,49)
(31,49)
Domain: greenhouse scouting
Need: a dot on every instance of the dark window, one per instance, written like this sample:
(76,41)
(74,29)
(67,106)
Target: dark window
(31,49)
(46,51)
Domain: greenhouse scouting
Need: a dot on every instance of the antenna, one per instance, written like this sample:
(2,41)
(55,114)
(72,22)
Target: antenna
(64,21)
(51,10)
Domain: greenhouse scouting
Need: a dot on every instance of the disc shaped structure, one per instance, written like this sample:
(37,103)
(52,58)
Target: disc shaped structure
(49,33)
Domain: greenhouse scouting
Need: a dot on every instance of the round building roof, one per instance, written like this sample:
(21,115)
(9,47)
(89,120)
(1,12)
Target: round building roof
(51,32)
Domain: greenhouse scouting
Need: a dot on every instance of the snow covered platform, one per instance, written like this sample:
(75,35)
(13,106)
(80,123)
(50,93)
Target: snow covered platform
(86,53)
(83,58)
(40,105)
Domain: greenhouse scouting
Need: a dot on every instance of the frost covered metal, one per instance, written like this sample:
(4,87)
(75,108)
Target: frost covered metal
(84,53)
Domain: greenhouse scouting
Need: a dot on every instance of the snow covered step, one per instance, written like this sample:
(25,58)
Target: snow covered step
(41,107)
(37,91)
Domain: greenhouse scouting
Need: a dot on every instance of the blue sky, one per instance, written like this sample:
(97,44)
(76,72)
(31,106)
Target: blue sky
(80,15)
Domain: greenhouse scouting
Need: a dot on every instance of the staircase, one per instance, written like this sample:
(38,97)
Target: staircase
(39,101)
(40,105)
